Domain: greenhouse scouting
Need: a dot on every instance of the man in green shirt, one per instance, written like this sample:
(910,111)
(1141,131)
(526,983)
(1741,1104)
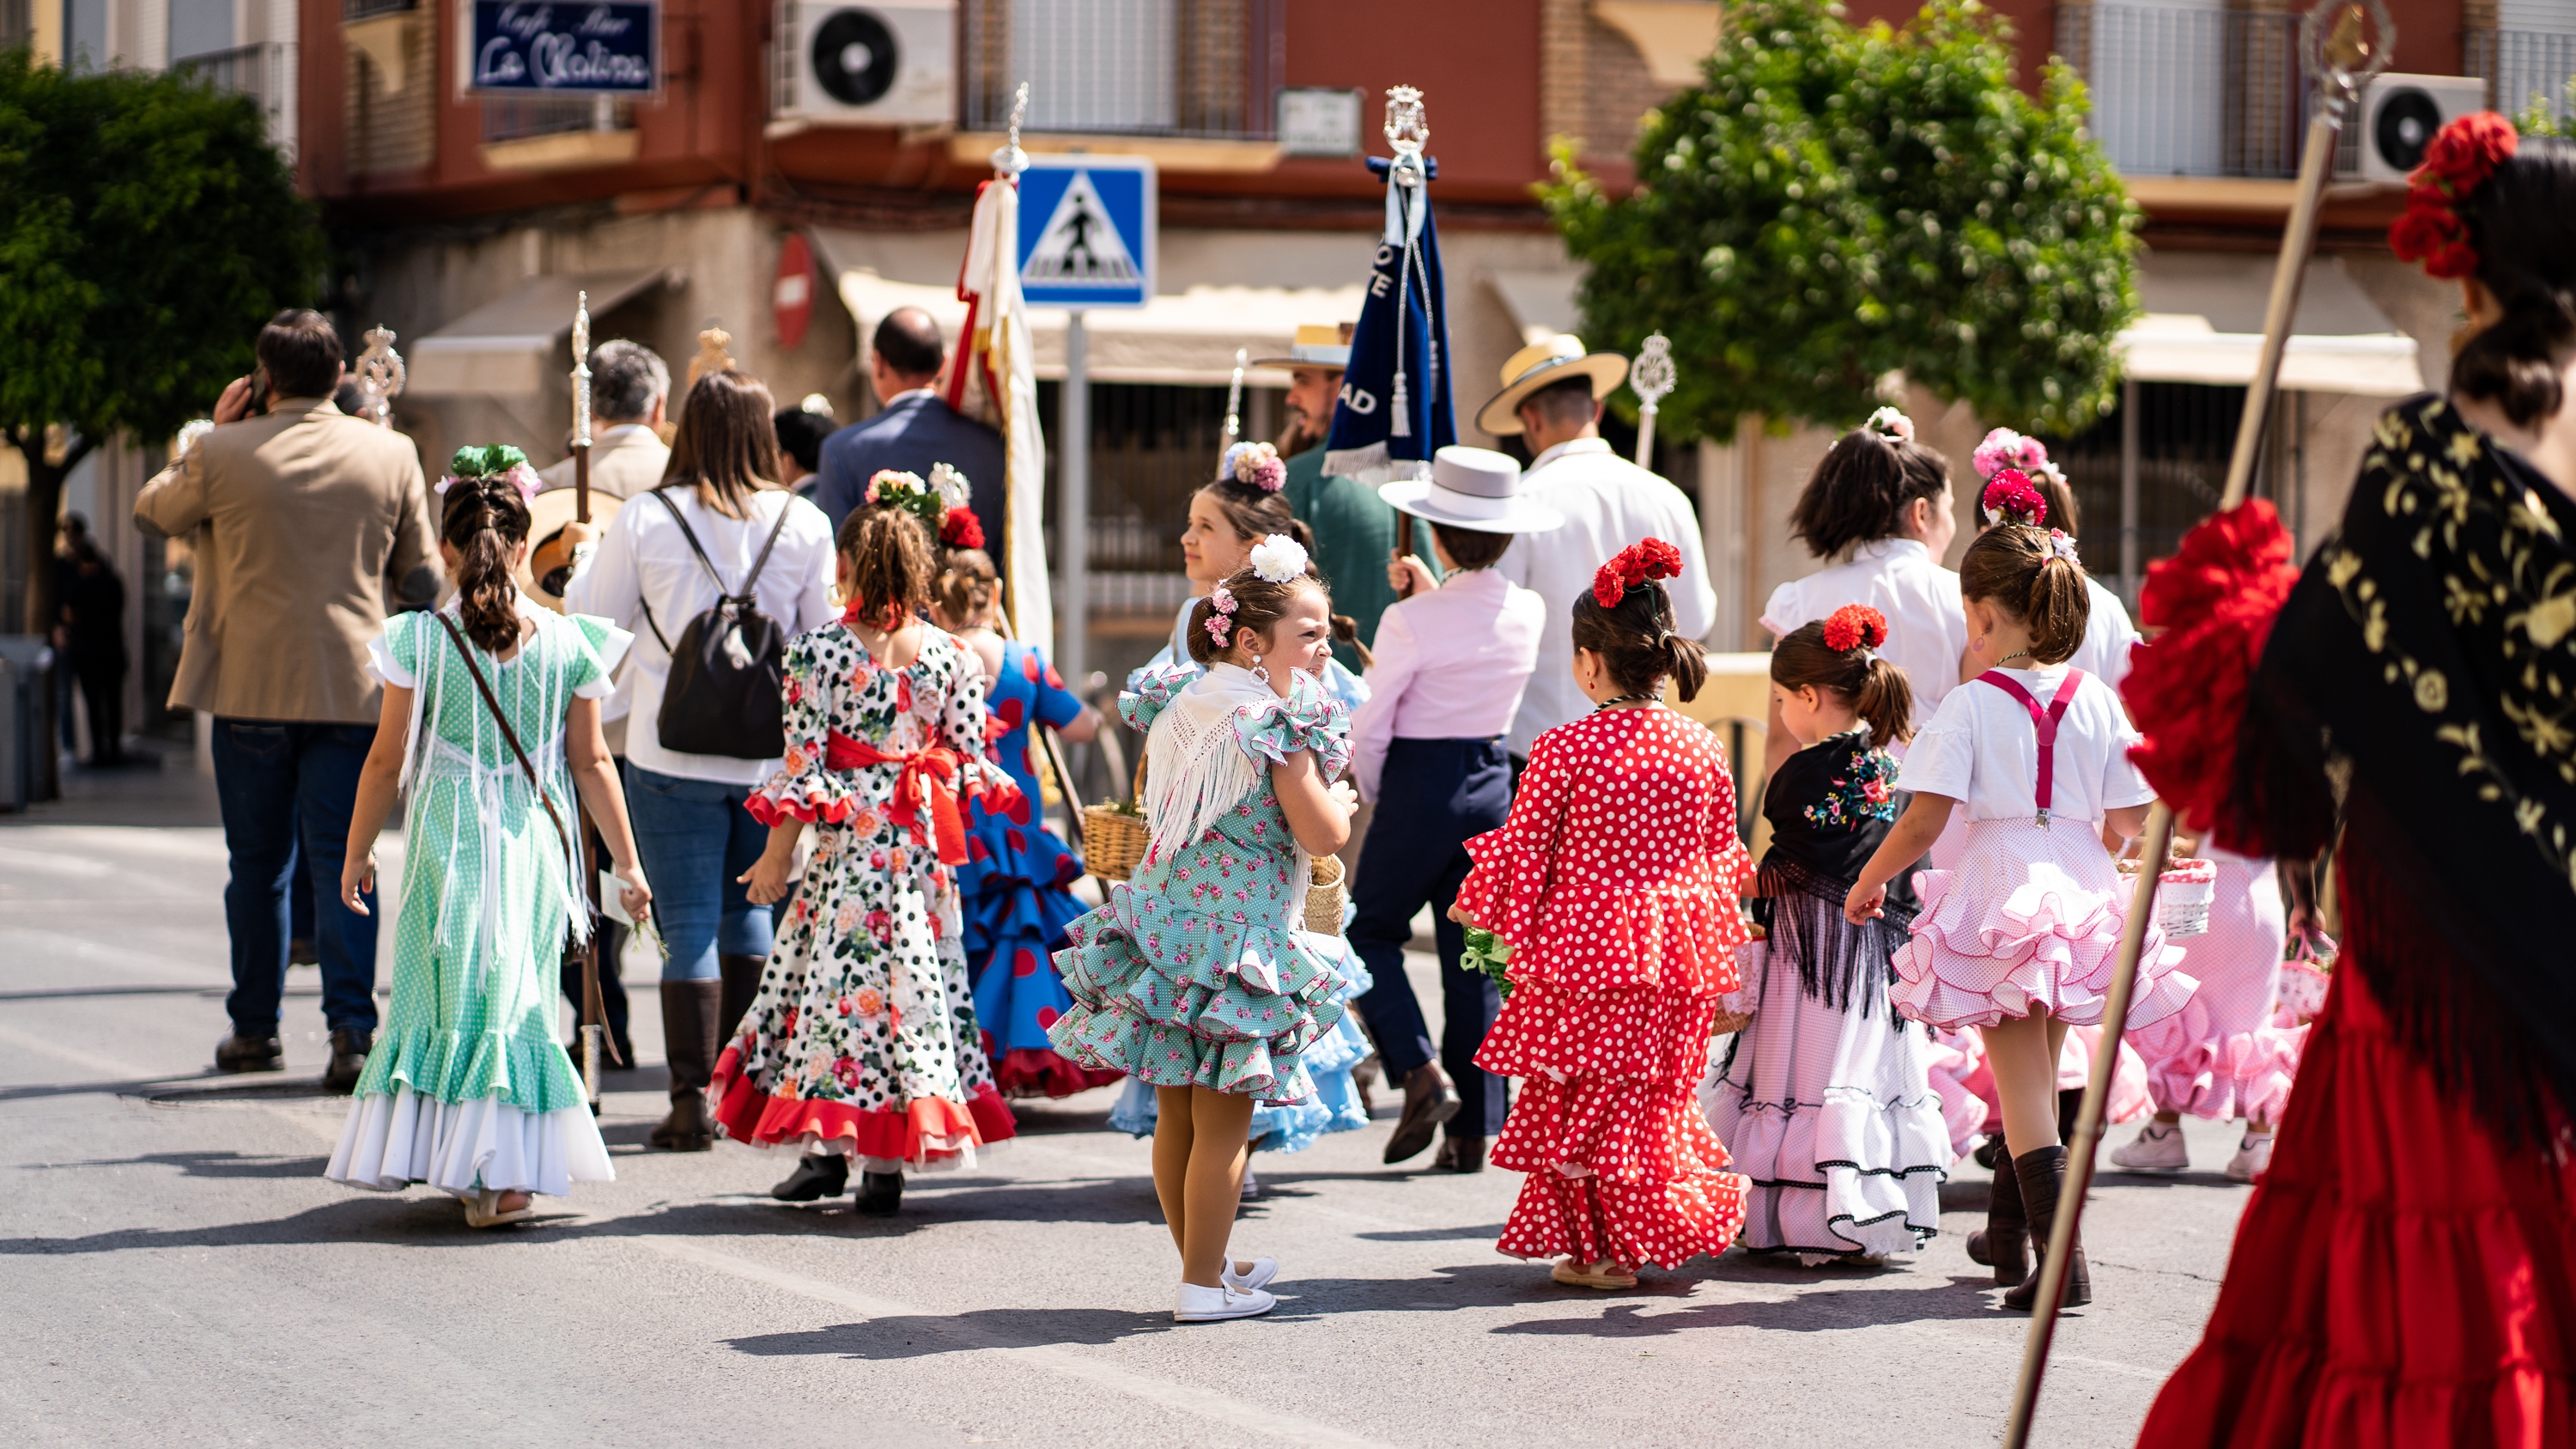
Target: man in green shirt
(1355,530)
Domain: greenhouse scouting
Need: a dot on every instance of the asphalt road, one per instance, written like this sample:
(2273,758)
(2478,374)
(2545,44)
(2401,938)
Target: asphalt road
(177,1271)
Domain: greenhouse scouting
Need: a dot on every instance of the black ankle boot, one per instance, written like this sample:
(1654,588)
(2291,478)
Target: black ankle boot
(821,1175)
(2004,1245)
(880,1194)
(2043,1179)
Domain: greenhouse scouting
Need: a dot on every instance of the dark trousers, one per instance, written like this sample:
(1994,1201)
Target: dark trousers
(612,944)
(102,687)
(1433,796)
(286,789)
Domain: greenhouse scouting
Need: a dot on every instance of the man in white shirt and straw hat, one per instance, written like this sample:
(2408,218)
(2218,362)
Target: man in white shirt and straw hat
(1551,398)
(1452,659)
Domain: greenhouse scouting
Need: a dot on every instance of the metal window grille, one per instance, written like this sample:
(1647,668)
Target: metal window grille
(368,9)
(2523,68)
(513,118)
(2186,435)
(2190,92)
(1187,68)
(264,72)
(1152,446)
(17,23)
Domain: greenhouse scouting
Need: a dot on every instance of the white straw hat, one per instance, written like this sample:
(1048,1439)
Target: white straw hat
(1474,488)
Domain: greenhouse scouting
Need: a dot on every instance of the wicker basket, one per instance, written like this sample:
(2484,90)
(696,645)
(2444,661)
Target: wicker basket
(2183,896)
(1734,1009)
(1325,893)
(1114,836)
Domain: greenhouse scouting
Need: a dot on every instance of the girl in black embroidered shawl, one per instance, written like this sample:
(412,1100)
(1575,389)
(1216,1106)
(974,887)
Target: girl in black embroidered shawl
(1824,1100)
(2406,1272)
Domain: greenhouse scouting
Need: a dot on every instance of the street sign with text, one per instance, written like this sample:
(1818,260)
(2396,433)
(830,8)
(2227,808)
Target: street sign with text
(1087,231)
(588,47)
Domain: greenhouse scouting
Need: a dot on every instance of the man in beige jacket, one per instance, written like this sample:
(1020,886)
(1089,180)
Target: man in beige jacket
(303,521)
(630,387)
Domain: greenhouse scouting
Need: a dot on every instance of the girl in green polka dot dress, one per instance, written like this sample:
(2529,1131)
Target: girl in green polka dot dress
(468,1090)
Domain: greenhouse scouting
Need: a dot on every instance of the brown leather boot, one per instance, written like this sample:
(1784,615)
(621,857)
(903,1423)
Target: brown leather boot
(2004,1245)
(689,1041)
(1429,1100)
(2043,1180)
(1460,1154)
(741,976)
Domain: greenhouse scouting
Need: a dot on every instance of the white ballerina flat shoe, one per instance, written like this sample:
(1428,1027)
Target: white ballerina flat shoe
(1263,1270)
(1211,1305)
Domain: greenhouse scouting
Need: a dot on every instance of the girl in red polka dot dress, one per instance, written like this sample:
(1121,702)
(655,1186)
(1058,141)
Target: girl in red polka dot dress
(1615,881)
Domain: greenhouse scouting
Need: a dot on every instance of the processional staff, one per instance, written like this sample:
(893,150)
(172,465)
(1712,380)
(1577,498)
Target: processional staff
(581,408)
(594,1013)
(2343,61)
(1651,378)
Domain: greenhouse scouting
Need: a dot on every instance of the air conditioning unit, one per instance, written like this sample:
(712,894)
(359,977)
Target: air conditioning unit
(2399,114)
(882,63)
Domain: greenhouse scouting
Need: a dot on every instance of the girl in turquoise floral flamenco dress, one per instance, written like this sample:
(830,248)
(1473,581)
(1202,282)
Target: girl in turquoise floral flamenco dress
(491,720)
(862,1042)
(1194,976)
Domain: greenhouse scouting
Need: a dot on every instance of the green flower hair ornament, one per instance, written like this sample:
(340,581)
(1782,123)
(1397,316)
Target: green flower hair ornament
(492,460)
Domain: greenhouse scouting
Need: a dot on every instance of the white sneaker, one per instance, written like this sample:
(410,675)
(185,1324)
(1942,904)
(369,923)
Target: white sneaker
(2253,1158)
(1263,1270)
(2159,1148)
(1209,1305)
(1251,1185)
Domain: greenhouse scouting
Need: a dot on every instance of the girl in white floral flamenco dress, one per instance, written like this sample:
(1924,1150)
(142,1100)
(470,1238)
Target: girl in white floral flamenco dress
(2018,939)
(1195,976)
(491,722)
(863,1042)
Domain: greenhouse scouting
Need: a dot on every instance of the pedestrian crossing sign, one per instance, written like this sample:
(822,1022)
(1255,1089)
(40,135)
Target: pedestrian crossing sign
(1087,231)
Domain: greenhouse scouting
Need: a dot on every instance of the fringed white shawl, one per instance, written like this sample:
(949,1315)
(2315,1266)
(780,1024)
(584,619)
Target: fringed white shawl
(1197,769)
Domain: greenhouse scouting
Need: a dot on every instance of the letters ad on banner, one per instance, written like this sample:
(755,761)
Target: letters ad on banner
(600,47)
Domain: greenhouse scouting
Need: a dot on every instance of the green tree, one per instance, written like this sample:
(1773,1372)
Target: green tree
(1835,203)
(147,229)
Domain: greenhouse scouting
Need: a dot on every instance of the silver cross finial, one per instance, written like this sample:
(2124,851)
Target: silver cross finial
(1011,160)
(380,374)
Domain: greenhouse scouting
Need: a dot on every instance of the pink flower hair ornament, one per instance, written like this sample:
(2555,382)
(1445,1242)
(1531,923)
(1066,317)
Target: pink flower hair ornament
(1221,607)
(2004,448)
(2011,498)
(1257,464)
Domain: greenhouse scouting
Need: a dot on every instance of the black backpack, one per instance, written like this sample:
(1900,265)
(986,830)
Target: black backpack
(722,697)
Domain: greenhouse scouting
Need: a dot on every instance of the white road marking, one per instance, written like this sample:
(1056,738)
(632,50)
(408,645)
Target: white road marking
(1180,1398)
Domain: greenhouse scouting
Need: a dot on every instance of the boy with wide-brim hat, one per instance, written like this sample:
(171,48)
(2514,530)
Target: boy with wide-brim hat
(1452,660)
(1551,398)
(1355,532)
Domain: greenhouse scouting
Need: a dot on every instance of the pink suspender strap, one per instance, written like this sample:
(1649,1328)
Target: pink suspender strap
(2044,722)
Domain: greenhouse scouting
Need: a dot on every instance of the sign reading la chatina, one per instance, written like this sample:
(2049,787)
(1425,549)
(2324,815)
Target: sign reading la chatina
(608,47)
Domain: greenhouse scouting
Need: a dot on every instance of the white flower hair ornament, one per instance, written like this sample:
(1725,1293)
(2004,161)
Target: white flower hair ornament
(951,486)
(2061,544)
(1893,423)
(1277,559)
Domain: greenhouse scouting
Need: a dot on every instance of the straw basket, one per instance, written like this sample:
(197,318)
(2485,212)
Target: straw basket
(1748,956)
(1114,836)
(1325,893)
(2183,896)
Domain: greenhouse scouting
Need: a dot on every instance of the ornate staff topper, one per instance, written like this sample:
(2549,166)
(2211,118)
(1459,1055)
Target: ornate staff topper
(581,370)
(712,356)
(1650,378)
(1010,161)
(380,376)
(1233,405)
(1407,130)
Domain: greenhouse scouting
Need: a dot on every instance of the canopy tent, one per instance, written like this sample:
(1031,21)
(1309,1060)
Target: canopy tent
(506,348)
(2204,324)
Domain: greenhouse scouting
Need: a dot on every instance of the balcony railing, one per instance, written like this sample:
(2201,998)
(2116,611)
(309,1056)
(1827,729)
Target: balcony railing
(1185,68)
(2189,92)
(263,72)
(516,118)
(2523,67)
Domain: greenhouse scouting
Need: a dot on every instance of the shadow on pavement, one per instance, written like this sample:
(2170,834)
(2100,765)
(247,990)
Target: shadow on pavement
(1831,1309)
(919,1336)
(1434,1235)
(217,1164)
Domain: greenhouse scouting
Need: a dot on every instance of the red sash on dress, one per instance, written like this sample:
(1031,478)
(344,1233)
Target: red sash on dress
(928,781)
(2045,722)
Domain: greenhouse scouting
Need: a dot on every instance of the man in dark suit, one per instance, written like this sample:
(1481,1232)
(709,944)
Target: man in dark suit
(915,428)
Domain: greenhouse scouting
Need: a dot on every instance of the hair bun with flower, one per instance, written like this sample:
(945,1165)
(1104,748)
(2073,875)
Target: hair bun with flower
(2462,155)
(1277,559)
(2011,498)
(894,488)
(1892,422)
(1634,567)
(2061,544)
(1855,626)
(1257,464)
(2004,448)
(497,461)
(961,529)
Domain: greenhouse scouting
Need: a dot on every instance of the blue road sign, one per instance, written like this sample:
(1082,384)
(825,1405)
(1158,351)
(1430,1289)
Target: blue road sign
(1087,231)
(593,47)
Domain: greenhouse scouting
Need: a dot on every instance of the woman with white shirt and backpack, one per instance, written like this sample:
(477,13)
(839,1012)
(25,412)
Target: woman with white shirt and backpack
(712,571)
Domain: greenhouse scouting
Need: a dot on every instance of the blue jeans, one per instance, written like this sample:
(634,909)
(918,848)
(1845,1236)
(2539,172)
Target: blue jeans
(695,839)
(286,788)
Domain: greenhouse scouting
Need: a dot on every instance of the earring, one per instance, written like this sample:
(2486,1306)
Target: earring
(1258,672)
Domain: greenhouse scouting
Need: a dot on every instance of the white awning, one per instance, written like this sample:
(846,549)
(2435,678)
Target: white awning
(506,348)
(1541,304)
(2204,324)
(1187,336)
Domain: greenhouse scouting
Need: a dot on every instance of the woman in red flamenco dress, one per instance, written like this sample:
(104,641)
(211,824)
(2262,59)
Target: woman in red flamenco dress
(1615,881)
(2405,1273)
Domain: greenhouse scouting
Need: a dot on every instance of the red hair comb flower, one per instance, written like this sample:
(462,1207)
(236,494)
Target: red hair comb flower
(2462,156)
(962,529)
(2013,498)
(1632,567)
(1854,625)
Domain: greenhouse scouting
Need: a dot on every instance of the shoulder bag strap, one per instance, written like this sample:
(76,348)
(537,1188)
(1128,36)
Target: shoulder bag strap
(507,734)
(2044,723)
(762,562)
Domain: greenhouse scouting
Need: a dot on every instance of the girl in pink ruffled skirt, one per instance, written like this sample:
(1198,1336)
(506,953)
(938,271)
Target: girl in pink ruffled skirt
(2019,939)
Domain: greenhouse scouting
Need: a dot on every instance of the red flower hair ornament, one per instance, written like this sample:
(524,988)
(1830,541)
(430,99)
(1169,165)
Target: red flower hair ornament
(1854,626)
(2462,156)
(962,529)
(2013,498)
(1633,567)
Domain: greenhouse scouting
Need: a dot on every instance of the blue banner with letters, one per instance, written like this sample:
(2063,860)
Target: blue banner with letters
(592,47)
